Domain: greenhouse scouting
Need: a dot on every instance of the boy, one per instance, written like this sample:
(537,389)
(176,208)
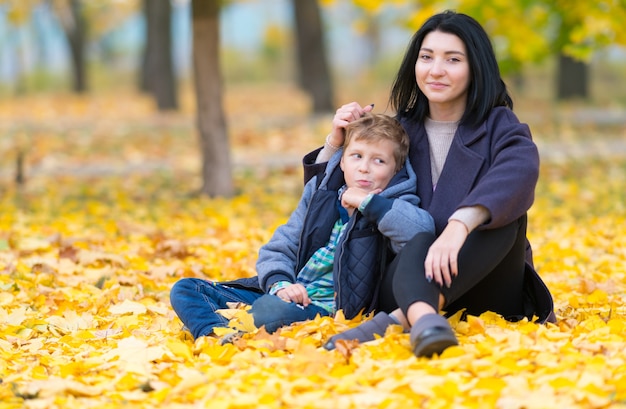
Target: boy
(333,249)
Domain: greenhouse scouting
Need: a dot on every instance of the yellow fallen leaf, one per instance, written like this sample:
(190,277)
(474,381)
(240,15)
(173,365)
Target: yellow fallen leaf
(70,321)
(179,349)
(6,299)
(476,324)
(134,355)
(107,333)
(39,372)
(16,317)
(490,384)
(597,297)
(240,319)
(617,326)
(128,307)
(189,380)
(128,381)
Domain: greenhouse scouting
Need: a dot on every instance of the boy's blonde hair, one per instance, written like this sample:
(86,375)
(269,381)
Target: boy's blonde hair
(375,127)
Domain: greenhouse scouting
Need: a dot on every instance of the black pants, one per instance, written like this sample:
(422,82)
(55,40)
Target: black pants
(491,267)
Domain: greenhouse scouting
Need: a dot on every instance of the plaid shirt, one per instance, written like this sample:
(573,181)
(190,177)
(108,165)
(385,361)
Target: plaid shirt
(317,274)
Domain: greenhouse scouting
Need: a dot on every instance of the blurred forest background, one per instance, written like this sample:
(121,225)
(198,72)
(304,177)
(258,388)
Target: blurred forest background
(189,60)
(62,45)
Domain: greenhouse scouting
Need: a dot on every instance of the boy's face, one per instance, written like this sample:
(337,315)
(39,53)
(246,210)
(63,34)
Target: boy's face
(368,165)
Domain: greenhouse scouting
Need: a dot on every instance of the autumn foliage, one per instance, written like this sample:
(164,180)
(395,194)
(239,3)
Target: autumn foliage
(105,224)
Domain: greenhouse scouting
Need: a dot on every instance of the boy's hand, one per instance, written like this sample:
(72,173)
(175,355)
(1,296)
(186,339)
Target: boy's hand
(294,293)
(352,198)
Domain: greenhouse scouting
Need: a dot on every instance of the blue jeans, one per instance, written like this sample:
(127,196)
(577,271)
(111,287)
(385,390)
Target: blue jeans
(195,301)
(271,311)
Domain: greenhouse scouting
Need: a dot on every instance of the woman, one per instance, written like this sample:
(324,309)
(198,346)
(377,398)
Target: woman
(477,168)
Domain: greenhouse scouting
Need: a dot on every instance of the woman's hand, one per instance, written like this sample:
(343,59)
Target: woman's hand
(344,115)
(441,260)
(294,293)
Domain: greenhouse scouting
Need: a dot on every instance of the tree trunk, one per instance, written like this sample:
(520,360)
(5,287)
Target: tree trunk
(216,166)
(75,27)
(20,177)
(313,72)
(144,69)
(157,71)
(572,78)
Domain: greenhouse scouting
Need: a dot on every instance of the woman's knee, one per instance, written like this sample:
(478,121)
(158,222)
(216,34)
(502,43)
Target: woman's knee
(409,280)
(410,260)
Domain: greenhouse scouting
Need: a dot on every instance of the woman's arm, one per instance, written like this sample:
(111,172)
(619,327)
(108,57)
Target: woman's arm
(315,162)
(507,189)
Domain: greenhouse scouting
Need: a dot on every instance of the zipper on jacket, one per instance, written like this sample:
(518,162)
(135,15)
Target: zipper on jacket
(339,254)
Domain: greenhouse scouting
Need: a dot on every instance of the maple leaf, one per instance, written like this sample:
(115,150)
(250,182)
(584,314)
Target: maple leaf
(240,318)
(107,333)
(15,317)
(345,347)
(128,307)
(69,252)
(70,322)
(263,340)
(173,248)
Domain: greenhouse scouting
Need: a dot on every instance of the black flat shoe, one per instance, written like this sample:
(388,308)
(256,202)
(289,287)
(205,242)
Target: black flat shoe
(330,345)
(432,335)
(434,341)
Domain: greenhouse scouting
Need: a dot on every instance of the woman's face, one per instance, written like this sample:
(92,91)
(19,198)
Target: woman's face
(442,73)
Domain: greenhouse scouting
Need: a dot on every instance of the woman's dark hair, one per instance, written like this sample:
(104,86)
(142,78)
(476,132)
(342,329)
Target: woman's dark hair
(486,87)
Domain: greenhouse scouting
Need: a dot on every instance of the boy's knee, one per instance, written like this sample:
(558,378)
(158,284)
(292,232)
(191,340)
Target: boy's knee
(266,309)
(182,288)
(178,286)
(185,284)
(266,305)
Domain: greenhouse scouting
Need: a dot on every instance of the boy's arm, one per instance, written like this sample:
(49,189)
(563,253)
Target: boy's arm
(398,219)
(277,258)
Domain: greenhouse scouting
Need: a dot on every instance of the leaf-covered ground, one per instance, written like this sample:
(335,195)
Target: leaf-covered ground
(104,225)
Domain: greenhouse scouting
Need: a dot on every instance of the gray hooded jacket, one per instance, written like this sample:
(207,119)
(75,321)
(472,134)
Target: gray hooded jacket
(389,220)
